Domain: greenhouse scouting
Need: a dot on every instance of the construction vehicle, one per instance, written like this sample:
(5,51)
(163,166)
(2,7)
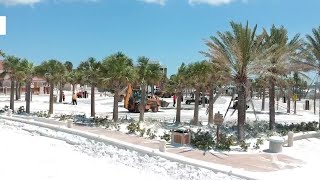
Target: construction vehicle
(132,99)
(191,99)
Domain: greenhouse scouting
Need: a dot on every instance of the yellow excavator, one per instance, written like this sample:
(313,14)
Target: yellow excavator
(132,99)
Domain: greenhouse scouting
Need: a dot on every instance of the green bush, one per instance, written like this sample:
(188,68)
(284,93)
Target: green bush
(102,121)
(142,131)
(244,146)
(283,129)
(148,132)
(166,136)
(133,128)
(202,140)
(153,135)
(225,142)
(258,143)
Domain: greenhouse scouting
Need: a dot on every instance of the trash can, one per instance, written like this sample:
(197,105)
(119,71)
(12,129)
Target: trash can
(180,136)
(307,105)
(55,98)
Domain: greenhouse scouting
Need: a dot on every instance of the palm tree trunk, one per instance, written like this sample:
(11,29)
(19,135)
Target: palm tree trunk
(17,90)
(263,99)
(60,94)
(203,99)
(142,102)
(178,110)
(300,93)
(73,88)
(28,97)
(260,93)
(241,111)
(196,108)
(288,101)
(152,89)
(272,122)
(12,94)
(115,105)
(51,98)
(210,111)
(93,112)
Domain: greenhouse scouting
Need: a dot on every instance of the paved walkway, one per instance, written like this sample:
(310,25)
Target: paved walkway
(261,162)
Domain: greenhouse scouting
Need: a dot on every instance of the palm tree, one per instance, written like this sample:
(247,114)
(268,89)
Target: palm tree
(27,69)
(64,77)
(197,79)
(313,61)
(90,70)
(217,76)
(117,70)
(11,64)
(52,71)
(178,82)
(236,50)
(20,76)
(147,73)
(68,65)
(74,77)
(277,62)
(2,53)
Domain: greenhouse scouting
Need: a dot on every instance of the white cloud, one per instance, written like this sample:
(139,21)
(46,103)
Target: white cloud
(211,2)
(32,2)
(160,2)
(19,2)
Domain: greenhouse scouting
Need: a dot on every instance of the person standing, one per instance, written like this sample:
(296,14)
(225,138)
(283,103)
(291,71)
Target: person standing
(174,100)
(74,99)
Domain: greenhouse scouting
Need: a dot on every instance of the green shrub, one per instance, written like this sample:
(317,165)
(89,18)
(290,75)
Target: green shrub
(153,135)
(283,129)
(258,143)
(133,128)
(142,131)
(244,146)
(224,142)
(148,132)
(202,140)
(102,121)
(166,136)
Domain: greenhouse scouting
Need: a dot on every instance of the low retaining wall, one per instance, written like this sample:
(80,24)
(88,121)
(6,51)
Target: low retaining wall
(303,135)
(124,145)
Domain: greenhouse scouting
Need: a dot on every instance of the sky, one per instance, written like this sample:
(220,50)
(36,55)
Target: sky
(168,31)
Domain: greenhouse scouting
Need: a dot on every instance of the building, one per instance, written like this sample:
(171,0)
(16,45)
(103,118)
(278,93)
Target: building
(38,85)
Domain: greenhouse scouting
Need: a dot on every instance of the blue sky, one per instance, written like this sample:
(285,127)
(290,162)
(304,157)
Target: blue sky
(170,31)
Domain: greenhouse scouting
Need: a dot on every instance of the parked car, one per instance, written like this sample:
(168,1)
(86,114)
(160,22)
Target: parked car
(191,99)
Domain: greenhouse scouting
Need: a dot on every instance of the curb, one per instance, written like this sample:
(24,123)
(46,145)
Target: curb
(303,135)
(124,145)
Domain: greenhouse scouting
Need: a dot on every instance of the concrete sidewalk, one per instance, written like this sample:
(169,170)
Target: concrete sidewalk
(260,162)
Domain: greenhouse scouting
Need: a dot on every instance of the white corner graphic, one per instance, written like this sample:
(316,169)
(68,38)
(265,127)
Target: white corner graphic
(3,27)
